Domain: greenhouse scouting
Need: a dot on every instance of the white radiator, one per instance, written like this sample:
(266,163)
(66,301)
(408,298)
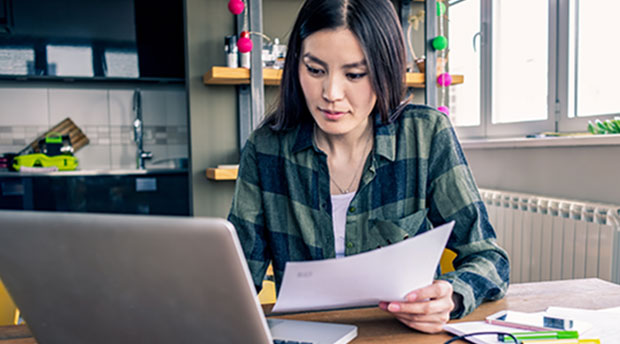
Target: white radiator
(551,239)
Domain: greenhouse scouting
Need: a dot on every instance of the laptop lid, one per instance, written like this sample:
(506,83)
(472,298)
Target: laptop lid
(95,278)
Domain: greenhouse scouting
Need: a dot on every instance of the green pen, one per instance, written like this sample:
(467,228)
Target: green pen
(539,335)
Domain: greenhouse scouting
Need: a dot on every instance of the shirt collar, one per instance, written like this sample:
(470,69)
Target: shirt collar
(385,138)
(303,139)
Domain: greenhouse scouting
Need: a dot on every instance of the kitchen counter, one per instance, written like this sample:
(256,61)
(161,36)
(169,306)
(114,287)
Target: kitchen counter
(115,172)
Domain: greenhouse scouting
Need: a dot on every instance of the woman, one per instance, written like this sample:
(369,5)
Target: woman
(345,165)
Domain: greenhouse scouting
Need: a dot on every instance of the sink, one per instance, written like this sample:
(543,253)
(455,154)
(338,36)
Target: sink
(169,163)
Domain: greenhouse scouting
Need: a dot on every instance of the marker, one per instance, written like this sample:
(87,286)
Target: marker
(521,336)
(562,341)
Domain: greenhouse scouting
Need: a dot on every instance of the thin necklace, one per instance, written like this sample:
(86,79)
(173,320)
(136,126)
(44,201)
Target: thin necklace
(357,170)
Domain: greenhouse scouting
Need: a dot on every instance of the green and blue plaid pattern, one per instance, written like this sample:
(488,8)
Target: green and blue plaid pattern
(415,178)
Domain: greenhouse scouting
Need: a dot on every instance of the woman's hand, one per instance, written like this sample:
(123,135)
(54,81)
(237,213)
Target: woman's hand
(426,309)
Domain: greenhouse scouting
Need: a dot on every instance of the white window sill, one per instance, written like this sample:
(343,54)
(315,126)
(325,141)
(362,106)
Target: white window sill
(553,141)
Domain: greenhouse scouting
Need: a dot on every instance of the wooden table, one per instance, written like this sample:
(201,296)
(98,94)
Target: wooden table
(376,326)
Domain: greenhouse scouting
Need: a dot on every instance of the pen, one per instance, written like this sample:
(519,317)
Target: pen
(521,336)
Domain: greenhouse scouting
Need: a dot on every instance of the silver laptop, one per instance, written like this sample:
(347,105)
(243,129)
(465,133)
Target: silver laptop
(92,278)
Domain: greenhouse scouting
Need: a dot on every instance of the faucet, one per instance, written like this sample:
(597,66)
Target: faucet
(138,131)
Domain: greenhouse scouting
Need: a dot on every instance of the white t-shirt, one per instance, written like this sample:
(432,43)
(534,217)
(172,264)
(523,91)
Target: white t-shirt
(340,205)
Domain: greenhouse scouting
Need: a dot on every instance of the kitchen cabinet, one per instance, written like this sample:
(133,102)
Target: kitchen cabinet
(164,192)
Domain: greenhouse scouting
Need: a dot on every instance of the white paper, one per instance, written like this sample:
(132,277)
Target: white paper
(604,322)
(384,274)
(612,310)
(601,324)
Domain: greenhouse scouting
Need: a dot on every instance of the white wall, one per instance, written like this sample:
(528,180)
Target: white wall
(104,113)
(589,173)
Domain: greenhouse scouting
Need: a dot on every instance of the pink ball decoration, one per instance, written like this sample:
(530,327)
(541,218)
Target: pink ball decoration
(235,6)
(444,109)
(444,79)
(244,44)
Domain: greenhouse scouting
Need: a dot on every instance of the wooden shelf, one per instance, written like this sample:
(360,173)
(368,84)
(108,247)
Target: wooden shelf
(241,76)
(222,173)
(416,80)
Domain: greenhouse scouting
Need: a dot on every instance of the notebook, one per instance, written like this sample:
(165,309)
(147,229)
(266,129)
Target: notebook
(95,278)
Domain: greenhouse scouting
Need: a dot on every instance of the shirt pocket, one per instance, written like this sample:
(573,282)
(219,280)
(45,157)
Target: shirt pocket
(386,232)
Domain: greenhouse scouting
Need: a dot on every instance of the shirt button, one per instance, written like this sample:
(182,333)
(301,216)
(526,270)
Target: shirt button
(349,245)
(351,209)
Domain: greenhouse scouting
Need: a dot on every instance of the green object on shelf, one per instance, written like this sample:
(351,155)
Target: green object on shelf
(610,126)
(600,126)
(614,125)
(592,128)
(440,43)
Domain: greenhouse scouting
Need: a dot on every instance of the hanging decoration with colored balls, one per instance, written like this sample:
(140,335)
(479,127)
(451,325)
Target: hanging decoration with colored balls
(236,6)
(444,79)
(440,43)
(244,43)
(444,109)
(441,8)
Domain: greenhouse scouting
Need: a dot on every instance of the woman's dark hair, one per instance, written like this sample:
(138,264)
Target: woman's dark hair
(376,26)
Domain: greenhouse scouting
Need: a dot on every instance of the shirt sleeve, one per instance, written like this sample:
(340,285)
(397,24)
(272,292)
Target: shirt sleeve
(481,266)
(247,215)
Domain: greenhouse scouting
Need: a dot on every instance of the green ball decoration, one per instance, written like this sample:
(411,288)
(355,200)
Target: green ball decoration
(441,8)
(440,43)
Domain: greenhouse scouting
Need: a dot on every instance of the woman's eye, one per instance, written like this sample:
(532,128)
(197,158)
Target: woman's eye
(314,71)
(355,76)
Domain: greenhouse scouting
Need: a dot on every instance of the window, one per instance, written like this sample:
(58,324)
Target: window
(16,61)
(69,60)
(532,66)
(464,27)
(121,63)
(519,67)
(593,58)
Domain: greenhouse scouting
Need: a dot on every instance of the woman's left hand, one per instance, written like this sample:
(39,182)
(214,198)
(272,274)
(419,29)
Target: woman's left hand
(426,309)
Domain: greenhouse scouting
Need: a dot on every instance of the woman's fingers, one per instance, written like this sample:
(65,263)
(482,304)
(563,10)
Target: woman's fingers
(423,318)
(428,327)
(426,309)
(436,290)
(444,304)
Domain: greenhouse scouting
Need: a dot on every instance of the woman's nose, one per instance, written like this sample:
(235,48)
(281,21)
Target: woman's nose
(333,89)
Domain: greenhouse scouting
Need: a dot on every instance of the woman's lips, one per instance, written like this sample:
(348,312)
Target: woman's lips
(332,115)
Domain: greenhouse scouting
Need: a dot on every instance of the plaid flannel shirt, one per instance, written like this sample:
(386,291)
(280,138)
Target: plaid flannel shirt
(416,177)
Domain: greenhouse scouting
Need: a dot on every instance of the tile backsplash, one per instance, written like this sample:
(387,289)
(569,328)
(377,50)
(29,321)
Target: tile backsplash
(105,115)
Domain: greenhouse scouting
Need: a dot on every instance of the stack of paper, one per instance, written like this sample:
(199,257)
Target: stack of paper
(605,322)
(598,324)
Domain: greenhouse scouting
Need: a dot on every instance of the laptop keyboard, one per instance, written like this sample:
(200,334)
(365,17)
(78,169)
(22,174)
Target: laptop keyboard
(280,341)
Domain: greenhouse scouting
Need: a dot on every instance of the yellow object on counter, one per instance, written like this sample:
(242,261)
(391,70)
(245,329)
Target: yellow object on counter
(62,162)
(8,310)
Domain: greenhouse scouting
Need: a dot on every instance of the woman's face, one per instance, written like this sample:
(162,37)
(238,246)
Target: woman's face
(333,73)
